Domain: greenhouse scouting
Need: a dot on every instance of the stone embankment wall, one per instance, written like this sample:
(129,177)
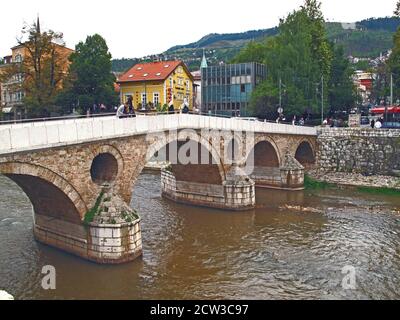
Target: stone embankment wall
(363,151)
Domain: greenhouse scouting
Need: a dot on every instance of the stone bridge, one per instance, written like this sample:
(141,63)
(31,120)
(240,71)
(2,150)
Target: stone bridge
(79,173)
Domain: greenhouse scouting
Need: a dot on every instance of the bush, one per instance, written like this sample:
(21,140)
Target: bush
(311,184)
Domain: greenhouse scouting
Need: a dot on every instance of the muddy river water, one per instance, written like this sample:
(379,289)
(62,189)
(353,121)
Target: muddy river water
(293,246)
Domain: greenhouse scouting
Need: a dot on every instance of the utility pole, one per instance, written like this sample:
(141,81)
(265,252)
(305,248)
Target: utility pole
(280,92)
(391,96)
(391,89)
(322,100)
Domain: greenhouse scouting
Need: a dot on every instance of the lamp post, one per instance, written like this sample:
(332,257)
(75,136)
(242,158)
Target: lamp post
(322,97)
(391,97)
(322,100)
(280,92)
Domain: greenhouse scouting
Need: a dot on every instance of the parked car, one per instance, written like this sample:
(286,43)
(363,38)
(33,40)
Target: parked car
(365,121)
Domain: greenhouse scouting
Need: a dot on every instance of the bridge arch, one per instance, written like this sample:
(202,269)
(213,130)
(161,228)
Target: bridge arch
(160,142)
(305,153)
(265,153)
(50,194)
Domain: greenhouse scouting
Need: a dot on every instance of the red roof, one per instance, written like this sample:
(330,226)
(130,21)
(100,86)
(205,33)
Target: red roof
(151,71)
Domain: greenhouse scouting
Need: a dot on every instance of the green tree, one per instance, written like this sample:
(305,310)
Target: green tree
(397,10)
(298,57)
(341,94)
(254,52)
(264,100)
(393,65)
(91,80)
(381,87)
(41,69)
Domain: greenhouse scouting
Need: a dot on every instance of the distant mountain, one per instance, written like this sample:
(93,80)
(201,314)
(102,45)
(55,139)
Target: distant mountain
(216,40)
(366,38)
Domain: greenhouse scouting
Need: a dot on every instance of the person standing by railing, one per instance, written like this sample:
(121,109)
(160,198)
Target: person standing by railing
(185,109)
(171,109)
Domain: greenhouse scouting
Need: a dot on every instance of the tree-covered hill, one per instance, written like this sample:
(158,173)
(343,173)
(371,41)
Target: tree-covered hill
(366,38)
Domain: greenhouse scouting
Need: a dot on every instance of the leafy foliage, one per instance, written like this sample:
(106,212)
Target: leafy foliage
(91,80)
(122,65)
(341,91)
(387,24)
(89,216)
(41,69)
(299,56)
(394,65)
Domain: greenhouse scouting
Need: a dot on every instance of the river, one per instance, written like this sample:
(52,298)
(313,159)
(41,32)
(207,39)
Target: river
(293,246)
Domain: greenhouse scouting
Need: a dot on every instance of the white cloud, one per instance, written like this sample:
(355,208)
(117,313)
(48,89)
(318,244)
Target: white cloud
(136,28)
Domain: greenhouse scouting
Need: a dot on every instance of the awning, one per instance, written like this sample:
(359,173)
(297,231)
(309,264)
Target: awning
(7,110)
(381,110)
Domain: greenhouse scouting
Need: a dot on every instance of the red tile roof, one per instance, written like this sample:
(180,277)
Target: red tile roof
(151,71)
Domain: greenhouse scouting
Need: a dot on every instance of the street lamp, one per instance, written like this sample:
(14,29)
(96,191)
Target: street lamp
(322,97)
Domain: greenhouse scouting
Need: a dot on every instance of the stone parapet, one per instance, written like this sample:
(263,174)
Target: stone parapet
(358,132)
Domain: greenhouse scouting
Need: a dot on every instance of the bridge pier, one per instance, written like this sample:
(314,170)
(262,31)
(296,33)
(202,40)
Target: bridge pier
(111,233)
(289,176)
(236,193)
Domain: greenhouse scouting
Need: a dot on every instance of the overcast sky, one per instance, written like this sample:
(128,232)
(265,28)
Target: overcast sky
(138,28)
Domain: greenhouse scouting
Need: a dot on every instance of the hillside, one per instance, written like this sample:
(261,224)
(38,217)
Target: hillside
(366,38)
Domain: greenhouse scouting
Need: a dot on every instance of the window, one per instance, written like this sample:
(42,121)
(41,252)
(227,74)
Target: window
(242,88)
(171,82)
(156,98)
(144,99)
(18,58)
(188,85)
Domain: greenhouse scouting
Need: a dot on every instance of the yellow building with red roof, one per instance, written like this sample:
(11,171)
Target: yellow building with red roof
(157,83)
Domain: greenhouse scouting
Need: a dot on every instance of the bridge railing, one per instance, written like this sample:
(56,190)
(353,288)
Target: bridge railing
(63,131)
(110,114)
(68,117)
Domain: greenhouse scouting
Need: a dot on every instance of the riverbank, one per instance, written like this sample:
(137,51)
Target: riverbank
(355,180)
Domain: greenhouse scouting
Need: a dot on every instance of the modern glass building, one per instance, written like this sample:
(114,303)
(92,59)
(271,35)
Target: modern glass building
(227,89)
